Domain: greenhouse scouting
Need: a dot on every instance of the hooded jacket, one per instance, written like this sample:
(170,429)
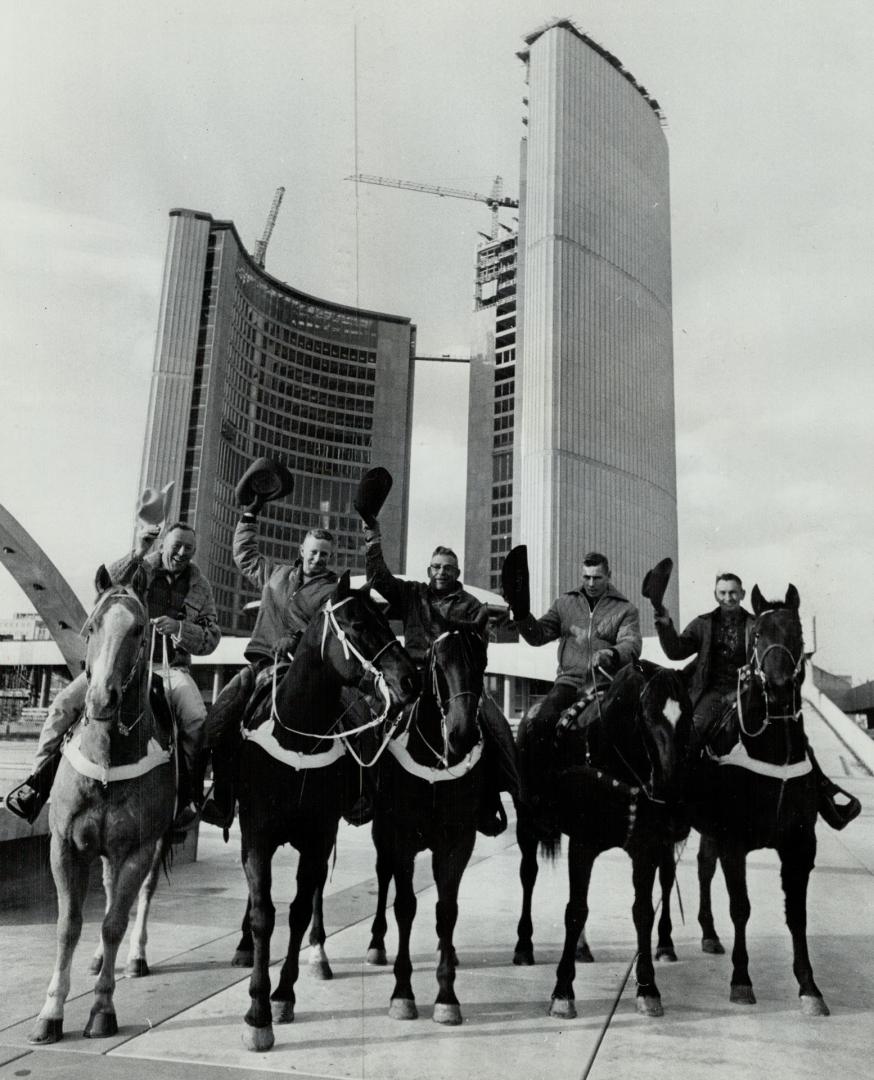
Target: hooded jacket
(199,631)
(288,603)
(695,641)
(613,623)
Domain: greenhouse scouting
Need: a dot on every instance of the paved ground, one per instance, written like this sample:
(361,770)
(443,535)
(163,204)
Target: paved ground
(185,1019)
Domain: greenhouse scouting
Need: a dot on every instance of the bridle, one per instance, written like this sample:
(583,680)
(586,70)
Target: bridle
(441,702)
(757,671)
(129,600)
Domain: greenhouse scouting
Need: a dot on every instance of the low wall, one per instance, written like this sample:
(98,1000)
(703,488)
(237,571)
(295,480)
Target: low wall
(845,729)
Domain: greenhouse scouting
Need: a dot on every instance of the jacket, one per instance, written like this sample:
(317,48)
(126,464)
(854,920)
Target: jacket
(199,631)
(695,641)
(422,610)
(614,623)
(288,603)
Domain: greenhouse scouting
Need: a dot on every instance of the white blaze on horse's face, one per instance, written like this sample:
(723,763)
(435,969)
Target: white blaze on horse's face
(671,712)
(111,654)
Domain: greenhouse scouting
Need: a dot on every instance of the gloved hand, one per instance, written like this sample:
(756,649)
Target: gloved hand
(371,531)
(254,507)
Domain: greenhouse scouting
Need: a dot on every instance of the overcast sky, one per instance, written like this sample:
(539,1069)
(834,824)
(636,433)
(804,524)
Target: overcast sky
(115,112)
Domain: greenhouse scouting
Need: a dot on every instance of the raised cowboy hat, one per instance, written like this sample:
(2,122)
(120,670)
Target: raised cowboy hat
(656,581)
(264,481)
(373,489)
(155,504)
(514,581)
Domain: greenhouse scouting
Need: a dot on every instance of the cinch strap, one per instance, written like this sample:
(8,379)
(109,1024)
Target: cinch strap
(398,747)
(263,736)
(155,756)
(738,756)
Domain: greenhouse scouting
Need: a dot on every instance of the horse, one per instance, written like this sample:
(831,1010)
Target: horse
(754,788)
(428,798)
(291,778)
(113,796)
(615,767)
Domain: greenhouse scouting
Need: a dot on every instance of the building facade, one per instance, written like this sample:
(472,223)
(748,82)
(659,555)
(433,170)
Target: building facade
(594,463)
(246,366)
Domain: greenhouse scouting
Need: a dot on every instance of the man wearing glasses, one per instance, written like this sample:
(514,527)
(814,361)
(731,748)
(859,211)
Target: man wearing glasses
(425,608)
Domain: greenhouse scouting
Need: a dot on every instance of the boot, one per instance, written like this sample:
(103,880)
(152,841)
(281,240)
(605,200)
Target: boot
(492,818)
(218,809)
(27,800)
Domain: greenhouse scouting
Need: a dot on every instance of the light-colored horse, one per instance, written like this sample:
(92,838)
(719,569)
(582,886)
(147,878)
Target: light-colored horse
(112,797)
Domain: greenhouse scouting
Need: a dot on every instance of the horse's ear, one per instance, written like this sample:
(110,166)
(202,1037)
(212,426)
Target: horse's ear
(793,600)
(343,588)
(758,601)
(102,580)
(140,583)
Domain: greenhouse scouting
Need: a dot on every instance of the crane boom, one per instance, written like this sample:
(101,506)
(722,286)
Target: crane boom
(493,201)
(261,245)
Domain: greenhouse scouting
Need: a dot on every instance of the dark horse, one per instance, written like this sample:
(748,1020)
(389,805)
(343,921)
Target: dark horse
(112,796)
(754,788)
(428,798)
(291,779)
(615,769)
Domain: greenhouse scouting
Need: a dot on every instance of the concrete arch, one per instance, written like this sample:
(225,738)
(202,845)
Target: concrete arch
(45,587)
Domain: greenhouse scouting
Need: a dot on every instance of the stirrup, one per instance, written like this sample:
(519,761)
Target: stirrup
(836,815)
(25,802)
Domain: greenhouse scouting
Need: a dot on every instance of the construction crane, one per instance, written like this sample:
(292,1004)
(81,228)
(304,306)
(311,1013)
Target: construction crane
(493,201)
(261,245)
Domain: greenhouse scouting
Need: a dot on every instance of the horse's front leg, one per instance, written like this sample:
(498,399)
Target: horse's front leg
(137,965)
(734,869)
(107,876)
(312,870)
(127,878)
(448,865)
(523,954)
(643,872)
(245,952)
(258,1021)
(707,860)
(376,953)
(70,871)
(797,857)
(667,876)
(403,1000)
(581,859)
(320,967)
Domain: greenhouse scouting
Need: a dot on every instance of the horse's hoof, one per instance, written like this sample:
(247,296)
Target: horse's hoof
(712,945)
(243,958)
(563,1008)
(523,957)
(813,1006)
(583,955)
(647,1005)
(101,1025)
(257,1039)
(742,995)
(282,1012)
(666,954)
(46,1031)
(95,965)
(447,1014)
(403,1009)
(376,956)
(320,969)
(138,968)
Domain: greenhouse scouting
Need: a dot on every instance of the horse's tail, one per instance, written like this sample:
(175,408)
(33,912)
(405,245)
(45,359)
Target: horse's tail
(550,846)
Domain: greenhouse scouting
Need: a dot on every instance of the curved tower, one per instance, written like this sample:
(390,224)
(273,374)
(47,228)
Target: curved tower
(594,464)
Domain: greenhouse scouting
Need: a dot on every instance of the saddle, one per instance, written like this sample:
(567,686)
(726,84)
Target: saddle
(260,700)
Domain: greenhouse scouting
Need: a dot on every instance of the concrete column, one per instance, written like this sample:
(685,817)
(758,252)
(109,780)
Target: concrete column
(45,689)
(218,681)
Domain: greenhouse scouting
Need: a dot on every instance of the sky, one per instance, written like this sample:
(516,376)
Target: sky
(115,112)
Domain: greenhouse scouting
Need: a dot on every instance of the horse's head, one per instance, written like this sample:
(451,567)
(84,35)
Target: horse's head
(356,639)
(777,646)
(116,635)
(456,667)
(647,717)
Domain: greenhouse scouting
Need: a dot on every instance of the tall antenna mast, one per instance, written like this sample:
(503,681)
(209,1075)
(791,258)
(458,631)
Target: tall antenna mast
(261,245)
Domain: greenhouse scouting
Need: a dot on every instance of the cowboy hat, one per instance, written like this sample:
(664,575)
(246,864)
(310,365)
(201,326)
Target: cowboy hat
(373,489)
(265,480)
(656,581)
(154,505)
(514,582)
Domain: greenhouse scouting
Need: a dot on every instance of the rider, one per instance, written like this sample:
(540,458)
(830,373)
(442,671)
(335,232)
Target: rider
(599,632)
(426,608)
(719,640)
(181,606)
(291,594)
